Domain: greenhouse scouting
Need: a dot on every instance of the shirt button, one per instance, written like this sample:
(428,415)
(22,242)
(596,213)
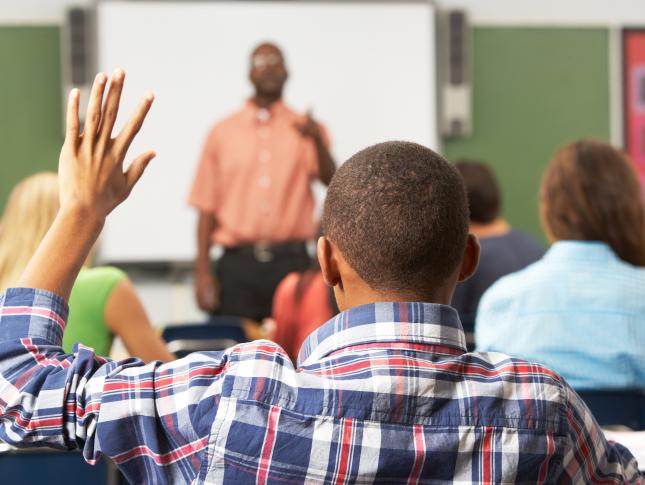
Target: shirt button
(263,115)
(265,156)
(264,181)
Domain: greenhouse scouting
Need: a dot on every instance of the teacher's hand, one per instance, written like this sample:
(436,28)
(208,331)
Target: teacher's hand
(207,291)
(309,127)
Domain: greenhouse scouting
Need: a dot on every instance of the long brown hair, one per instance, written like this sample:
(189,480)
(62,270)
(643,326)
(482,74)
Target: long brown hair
(590,192)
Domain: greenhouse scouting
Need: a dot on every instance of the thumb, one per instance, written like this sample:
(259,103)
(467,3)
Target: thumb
(136,169)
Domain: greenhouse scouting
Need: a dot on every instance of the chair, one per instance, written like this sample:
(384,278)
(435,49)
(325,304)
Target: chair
(468,324)
(218,333)
(617,407)
(54,467)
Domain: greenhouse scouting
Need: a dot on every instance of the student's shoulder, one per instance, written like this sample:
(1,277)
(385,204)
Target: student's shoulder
(289,282)
(261,359)
(262,351)
(629,271)
(102,274)
(517,282)
(507,294)
(508,376)
(515,367)
(96,284)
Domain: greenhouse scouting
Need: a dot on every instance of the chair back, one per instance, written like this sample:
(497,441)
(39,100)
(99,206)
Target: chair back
(54,467)
(218,333)
(617,407)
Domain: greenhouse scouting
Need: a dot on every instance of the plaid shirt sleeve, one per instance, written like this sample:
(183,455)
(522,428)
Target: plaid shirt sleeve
(589,457)
(149,414)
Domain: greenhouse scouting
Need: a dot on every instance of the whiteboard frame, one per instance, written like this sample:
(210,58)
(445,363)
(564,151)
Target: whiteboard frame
(179,263)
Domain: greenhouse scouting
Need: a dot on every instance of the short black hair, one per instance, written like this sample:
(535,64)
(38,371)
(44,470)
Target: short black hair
(398,213)
(484,199)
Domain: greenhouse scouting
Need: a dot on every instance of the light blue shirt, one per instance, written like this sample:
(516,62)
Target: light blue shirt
(580,310)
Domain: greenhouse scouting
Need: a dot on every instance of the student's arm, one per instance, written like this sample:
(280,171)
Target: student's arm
(589,457)
(206,285)
(152,420)
(126,317)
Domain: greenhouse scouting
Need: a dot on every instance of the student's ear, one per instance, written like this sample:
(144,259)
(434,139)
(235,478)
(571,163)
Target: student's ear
(328,262)
(471,258)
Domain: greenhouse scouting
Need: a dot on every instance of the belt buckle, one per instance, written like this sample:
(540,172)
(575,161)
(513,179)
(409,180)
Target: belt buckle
(262,252)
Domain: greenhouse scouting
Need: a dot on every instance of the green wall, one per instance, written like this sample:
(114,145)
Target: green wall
(534,89)
(30,103)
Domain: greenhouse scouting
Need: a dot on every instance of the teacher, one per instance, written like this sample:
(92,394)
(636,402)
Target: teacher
(253,193)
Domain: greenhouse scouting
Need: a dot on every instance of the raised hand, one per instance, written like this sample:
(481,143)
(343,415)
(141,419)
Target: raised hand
(90,168)
(92,183)
(309,127)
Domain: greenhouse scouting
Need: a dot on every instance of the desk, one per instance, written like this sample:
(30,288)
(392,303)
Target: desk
(634,441)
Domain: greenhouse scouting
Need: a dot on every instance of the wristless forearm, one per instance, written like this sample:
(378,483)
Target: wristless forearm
(59,257)
(326,165)
(205,227)
(202,263)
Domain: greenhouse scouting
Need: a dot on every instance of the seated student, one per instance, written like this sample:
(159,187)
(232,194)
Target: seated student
(580,310)
(503,249)
(103,302)
(385,391)
(301,303)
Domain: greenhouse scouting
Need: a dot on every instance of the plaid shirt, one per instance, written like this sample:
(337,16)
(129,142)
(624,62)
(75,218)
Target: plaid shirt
(385,393)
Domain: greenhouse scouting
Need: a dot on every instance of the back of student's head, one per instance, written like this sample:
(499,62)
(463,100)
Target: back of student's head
(484,199)
(590,192)
(398,213)
(30,210)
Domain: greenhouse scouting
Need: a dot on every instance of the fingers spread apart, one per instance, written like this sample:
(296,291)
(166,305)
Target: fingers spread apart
(96,138)
(93,113)
(111,106)
(72,125)
(132,127)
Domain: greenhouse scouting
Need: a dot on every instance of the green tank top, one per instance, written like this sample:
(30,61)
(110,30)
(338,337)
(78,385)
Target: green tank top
(86,323)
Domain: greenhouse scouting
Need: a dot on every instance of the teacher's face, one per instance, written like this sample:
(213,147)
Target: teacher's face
(268,72)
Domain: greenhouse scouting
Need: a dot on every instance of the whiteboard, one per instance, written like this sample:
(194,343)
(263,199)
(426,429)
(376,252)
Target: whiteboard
(367,70)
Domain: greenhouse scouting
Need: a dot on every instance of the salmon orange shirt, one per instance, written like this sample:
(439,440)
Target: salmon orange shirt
(255,176)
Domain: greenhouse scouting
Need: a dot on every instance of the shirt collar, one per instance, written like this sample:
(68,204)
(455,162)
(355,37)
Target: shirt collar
(580,251)
(421,323)
(254,111)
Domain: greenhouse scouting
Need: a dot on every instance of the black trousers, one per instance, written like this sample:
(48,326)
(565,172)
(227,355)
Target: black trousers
(248,277)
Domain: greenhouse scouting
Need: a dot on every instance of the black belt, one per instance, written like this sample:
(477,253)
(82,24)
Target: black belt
(265,252)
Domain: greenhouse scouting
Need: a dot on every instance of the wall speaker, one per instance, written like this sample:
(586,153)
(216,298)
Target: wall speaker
(78,48)
(454,73)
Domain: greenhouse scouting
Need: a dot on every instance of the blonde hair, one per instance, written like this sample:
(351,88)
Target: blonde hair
(30,210)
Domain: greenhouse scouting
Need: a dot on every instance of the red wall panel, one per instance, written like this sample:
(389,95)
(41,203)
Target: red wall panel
(634,96)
